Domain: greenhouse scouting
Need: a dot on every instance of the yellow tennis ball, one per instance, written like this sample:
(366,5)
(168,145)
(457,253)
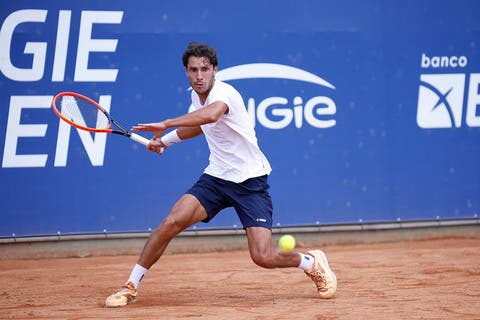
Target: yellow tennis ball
(286,243)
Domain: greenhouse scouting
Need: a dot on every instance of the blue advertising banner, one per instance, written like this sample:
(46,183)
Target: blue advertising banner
(366,110)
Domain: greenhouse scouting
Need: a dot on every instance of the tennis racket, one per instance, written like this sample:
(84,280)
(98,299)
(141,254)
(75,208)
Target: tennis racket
(84,113)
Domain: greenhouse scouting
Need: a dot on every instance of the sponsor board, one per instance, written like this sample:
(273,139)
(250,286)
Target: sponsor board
(441,97)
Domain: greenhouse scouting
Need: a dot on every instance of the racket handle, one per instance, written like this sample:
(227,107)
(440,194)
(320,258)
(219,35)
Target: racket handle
(138,138)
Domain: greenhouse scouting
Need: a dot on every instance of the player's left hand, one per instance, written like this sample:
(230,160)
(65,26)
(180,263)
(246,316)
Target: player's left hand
(157,128)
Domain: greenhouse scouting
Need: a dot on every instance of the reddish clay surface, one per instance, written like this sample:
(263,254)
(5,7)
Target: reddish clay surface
(428,279)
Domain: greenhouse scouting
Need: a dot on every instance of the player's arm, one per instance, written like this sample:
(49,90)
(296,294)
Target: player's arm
(188,126)
(209,114)
(185,133)
(158,145)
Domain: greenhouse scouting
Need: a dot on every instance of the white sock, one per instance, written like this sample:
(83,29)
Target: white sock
(138,272)
(306,262)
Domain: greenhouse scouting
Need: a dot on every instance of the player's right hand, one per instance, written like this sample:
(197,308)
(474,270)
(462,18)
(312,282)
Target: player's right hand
(156,145)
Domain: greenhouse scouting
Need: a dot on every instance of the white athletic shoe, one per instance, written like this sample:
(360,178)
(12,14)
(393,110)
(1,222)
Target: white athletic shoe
(322,275)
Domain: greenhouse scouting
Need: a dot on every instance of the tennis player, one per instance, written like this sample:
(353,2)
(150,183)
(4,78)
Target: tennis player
(236,176)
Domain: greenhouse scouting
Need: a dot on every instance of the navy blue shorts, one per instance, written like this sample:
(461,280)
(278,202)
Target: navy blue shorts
(250,199)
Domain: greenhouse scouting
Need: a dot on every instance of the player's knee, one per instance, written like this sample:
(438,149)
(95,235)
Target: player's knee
(263,260)
(171,224)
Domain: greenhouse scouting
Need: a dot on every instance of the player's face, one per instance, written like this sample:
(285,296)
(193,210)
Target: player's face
(201,75)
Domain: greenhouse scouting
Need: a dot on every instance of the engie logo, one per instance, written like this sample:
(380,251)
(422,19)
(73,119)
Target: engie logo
(53,65)
(441,96)
(316,111)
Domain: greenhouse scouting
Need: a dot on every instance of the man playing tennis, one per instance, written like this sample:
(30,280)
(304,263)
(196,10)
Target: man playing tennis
(236,176)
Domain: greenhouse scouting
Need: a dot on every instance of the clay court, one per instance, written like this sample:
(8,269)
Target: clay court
(416,279)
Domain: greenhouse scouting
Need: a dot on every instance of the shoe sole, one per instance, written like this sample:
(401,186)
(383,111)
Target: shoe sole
(120,305)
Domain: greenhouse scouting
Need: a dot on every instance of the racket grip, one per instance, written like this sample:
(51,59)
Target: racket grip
(138,138)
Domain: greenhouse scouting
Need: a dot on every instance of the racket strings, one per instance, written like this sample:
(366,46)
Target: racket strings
(83,113)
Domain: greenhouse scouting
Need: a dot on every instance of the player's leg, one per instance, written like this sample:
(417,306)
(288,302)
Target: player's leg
(253,205)
(254,209)
(314,263)
(264,254)
(186,212)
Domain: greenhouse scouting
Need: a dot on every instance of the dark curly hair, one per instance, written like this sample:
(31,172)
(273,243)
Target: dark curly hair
(197,49)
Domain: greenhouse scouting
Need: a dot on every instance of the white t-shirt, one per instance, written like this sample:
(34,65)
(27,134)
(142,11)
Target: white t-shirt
(234,152)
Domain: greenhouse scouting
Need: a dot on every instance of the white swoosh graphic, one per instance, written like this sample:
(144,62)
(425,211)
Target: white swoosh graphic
(270,70)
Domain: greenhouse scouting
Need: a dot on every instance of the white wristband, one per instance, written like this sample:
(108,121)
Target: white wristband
(170,138)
